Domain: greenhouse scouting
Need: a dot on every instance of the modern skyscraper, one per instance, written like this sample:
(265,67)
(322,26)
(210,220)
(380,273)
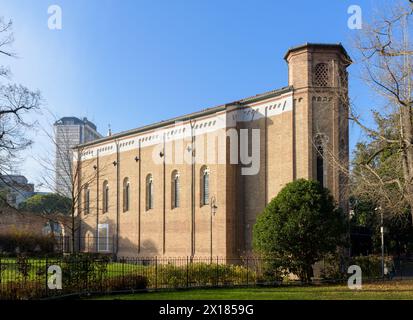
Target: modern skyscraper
(69,132)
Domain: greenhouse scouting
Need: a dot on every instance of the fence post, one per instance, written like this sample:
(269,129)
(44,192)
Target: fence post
(187,271)
(156,272)
(46,278)
(217,281)
(248,271)
(123,271)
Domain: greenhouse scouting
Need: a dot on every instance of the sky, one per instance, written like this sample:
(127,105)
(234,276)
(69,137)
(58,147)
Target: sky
(131,63)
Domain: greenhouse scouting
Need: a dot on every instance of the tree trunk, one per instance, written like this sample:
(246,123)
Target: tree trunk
(407,154)
(73,231)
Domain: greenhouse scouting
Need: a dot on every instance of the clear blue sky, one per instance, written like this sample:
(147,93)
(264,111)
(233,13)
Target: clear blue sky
(130,63)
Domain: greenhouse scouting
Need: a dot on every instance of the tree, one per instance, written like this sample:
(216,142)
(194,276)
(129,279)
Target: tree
(47,204)
(398,231)
(375,161)
(299,226)
(16,102)
(79,173)
(383,165)
(53,207)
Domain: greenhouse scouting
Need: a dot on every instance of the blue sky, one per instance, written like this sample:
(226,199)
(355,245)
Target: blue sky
(130,63)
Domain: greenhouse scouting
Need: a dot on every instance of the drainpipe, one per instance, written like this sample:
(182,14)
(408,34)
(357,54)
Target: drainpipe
(77,194)
(139,197)
(164,200)
(97,200)
(266,158)
(192,190)
(117,198)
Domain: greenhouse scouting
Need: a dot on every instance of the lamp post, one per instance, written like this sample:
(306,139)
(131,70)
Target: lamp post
(213,211)
(382,240)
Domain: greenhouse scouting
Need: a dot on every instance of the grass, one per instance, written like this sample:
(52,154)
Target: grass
(373,291)
(37,268)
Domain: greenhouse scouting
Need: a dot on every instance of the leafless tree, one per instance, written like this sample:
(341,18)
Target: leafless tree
(16,102)
(69,172)
(384,49)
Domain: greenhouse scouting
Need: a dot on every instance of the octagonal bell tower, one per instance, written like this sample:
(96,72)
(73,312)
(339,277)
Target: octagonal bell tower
(318,75)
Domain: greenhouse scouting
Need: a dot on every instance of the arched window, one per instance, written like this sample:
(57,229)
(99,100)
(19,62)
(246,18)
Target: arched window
(175,189)
(126,187)
(320,165)
(105,197)
(319,145)
(204,186)
(87,200)
(149,192)
(321,78)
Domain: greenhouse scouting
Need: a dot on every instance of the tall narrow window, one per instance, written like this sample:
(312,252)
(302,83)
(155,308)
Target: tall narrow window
(321,75)
(103,237)
(204,186)
(87,200)
(126,187)
(149,192)
(175,189)
(105,197)
(320,164)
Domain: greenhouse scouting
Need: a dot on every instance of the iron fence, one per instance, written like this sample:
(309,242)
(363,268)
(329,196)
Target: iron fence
(34,278)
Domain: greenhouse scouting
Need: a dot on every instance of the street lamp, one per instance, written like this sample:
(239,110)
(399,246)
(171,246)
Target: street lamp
(382,239)
(213,211)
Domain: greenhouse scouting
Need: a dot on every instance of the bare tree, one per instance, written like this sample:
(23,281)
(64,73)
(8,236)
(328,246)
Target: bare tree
(383,167)
(71,173)
(16,102)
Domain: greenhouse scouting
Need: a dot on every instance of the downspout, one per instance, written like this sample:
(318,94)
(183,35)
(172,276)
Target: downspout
(97,200)
(164,200)
(117,198)
(294,140)
(78,196)
(266,157)
(139,198)
(192,191)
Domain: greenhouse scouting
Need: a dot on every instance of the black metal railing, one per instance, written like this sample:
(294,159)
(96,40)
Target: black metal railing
(33,278)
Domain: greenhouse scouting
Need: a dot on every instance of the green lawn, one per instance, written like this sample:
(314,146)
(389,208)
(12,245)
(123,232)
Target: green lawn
(36,269)
(376,291)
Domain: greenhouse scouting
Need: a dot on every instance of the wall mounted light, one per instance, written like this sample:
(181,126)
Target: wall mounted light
(137,159)
(114,163)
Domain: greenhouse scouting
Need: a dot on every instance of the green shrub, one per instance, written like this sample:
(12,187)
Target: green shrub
(17,290)
(270,271)
(370,265)
(128,282)
(84,271)
(27,243)
(336,268)
(299,226)
(198,274)
(23,266)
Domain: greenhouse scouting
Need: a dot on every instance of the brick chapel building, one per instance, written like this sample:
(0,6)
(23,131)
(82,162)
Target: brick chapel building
(194,185)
